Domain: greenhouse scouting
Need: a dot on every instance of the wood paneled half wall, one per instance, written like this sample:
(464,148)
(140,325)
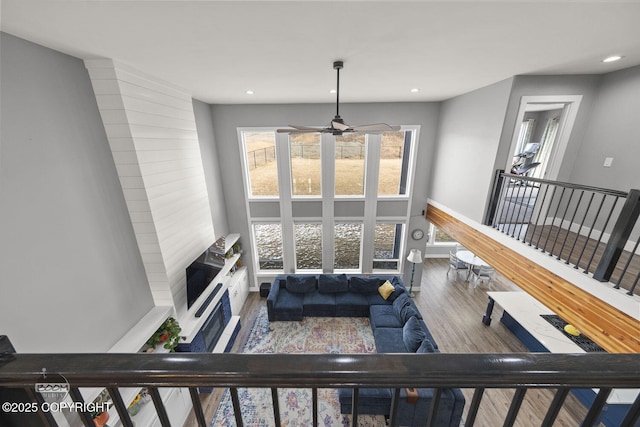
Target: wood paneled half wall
(612,329)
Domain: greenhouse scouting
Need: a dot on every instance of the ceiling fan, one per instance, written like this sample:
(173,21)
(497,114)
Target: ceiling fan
(337,126)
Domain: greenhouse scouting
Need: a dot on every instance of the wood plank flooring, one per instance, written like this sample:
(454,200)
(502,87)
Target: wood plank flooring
(453,311)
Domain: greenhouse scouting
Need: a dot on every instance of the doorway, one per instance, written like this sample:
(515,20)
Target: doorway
(539,142)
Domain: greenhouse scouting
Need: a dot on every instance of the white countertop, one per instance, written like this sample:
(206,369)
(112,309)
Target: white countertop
(526,310)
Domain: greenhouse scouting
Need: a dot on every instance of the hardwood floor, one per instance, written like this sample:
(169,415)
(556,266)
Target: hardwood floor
(453,311)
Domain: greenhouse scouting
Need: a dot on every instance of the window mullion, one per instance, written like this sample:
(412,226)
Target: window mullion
(286,209)
(372,170)
(327,158)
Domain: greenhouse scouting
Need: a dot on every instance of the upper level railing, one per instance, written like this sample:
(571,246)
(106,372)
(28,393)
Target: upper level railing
(439,371)
(594,229)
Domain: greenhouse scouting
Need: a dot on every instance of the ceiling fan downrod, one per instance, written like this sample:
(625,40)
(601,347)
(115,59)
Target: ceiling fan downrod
(337,65)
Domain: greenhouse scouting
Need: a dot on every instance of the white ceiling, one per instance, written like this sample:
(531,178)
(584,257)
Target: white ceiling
(284,51)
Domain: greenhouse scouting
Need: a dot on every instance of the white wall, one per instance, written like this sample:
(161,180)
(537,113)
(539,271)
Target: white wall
(151,129)
(468,137)
(71,275)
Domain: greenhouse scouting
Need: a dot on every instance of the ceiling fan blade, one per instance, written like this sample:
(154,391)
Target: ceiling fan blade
(376,128)
(339,125)
(295,130)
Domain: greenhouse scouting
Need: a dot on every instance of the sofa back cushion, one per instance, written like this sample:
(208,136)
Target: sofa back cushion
(413,333)
(426,346)
(404,308)
(301,284)
(364,285)
(333,283)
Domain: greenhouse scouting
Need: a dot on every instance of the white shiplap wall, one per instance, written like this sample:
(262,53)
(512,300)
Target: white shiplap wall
(152,133)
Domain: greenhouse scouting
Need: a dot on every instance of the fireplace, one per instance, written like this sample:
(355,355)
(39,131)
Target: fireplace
(213,328)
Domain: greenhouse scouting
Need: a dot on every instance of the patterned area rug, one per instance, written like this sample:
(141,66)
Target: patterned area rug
(311,335)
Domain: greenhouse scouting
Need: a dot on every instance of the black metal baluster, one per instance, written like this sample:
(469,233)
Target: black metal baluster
(633,415)
(635,283)
(473,408)
(501,202)
(586,212)
(554,408)
(593,415)
(125,419)
(573,218)
(546,215)
(435,405)
(593,224)
(160,409)
(564,215)
(314,398)
(516,402)
(276,406)
(606,223)
(626,266)
(531,187)
(555,215)
(535,225)
(512,226)
(85,416)
(197,407)
(354,406)
(237,410)
(45,417)
(393,416)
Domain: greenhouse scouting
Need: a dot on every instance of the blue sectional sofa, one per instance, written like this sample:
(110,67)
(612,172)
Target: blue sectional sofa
(397,324)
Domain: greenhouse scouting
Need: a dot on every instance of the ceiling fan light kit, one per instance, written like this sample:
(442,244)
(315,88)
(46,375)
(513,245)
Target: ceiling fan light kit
(337,126)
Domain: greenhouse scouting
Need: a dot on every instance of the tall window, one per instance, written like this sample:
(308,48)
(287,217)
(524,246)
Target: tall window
(306,168)
(268,240)
(350,152)
(394,163)
(308,246)
(386,246)
(260,159)
(347,238)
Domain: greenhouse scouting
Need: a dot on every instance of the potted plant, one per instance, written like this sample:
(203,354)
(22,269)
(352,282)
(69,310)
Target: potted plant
(168,333)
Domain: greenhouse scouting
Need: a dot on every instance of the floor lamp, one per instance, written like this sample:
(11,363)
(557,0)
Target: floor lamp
(415,257)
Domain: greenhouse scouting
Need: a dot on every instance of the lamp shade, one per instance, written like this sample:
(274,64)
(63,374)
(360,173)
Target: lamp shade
(415,256)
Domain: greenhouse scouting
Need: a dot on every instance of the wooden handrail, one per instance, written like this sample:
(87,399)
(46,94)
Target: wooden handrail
(609,327)
(445,370)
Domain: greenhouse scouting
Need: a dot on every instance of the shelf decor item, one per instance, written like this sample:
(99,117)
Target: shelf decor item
(168,333)
(138,402)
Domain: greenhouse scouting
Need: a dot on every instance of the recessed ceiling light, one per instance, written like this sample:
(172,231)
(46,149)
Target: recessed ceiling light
(249,92)
(415,90)
(332,91)
(612,58)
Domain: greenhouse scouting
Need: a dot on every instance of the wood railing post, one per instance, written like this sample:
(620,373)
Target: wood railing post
(496,190)
(619,236)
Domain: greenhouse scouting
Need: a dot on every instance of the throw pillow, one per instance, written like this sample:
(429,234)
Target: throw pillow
(332,283)
(301,284)
(364,285)
(397,291)
(413,334)
(386,289)
(426,347)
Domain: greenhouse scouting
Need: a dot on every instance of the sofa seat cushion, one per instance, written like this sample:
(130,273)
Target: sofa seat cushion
(389,340)
(351,305)
(372,401)
(376,299)
(318,304)
(288,306)
(383,316)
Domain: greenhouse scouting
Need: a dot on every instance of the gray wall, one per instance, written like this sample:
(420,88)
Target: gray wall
(209,151)
(468,137)
(227,118)
(612,131)
(71,276)
(543,86)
